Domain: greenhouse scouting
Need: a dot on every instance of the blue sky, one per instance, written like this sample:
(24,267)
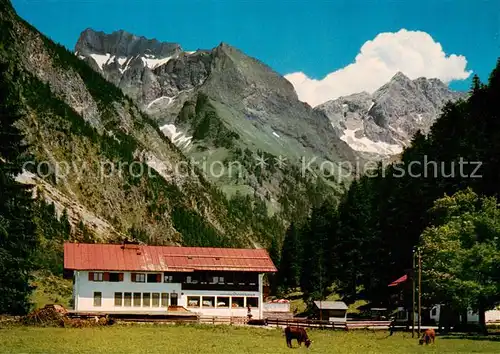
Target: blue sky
(312,37)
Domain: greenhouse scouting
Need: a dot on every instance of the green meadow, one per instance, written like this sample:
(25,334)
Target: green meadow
(223,339)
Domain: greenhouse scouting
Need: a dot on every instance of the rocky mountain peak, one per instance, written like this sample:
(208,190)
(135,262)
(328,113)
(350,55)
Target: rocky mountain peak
(384,122)
(400,77)
(122,44)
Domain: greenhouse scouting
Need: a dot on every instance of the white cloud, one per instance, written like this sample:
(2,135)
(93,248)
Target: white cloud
(414,53)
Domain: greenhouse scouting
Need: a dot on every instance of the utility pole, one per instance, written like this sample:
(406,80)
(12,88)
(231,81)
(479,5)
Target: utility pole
(413,297)
(419,253)
(321,292)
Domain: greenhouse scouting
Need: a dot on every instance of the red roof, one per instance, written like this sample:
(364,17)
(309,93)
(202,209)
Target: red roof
(399,280)
(131,257)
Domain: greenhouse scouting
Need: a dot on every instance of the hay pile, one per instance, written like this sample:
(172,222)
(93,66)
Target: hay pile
(50,315)
(57,316)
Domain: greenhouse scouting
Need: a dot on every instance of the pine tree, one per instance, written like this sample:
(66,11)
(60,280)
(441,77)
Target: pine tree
(274,251)
(314,279)
(65,225)
(17,231)
(291,259)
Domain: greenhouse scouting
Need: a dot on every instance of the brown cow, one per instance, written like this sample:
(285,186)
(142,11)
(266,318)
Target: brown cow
(297,333)
(428,335)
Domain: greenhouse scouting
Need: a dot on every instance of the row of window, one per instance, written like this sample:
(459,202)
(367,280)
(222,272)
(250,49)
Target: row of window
(222,301)
(134,299)
(130,299)
(157,278)
(134,277)
(215,280)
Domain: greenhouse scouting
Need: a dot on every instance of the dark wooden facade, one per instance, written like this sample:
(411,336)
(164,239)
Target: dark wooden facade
(210,280)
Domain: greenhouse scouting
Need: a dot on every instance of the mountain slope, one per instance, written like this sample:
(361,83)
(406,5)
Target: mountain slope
(221,105)
(92,145)
(384,122)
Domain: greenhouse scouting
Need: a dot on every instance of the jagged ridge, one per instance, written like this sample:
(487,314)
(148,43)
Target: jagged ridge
(384,122)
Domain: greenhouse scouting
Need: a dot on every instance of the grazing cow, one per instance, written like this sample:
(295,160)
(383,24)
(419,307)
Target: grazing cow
(296,333)
(428,335)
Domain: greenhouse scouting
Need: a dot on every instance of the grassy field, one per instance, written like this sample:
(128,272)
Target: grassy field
(220,339)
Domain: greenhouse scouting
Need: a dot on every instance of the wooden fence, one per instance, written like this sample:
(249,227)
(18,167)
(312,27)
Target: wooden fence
(222,320)
(349,325)
(215,320)
(283,322)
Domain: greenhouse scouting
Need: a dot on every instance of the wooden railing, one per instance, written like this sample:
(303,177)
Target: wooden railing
(222,320)
(349,325)
(296,322)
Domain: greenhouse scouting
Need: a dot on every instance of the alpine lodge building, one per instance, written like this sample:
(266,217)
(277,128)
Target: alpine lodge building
(149,280)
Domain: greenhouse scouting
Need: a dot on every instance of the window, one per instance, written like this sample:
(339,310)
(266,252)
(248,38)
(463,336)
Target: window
(238,302)
(154,278)
(115,277)
(239,279)
(96,276)
(191,280)
(139,277)
(253,301)
(164,299)
(146,299)
(222,301)
(168,278)
(155,299)
(118,299)
(173,299)
(253,279)
(193,301)
(97,298)
(137,299)
(208,301)
(434,311)
(217,280)
(127,299)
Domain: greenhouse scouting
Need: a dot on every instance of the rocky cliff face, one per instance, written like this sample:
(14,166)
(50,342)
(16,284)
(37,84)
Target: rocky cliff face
(384,123)
(103,159)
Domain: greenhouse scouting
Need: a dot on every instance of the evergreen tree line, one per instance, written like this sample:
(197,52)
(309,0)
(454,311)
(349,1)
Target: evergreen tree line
(368,240)
(18,241)
(31,231)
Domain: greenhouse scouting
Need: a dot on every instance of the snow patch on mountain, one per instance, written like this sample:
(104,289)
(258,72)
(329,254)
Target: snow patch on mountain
(159,99)
(177,137)
(366,145)
(101,59)
(152,62)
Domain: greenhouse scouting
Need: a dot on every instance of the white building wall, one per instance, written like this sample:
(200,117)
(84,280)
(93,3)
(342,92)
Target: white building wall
(84,297)
(472,317)
(277,307)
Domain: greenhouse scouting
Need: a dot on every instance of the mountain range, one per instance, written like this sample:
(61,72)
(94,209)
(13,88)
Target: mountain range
(120,100)
(255,109)
(162,76)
